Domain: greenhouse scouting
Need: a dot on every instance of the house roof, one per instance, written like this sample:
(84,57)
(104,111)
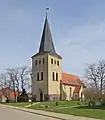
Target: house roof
(70,79)
(77,89)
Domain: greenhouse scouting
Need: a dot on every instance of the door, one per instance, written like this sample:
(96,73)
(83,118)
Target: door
(41,96)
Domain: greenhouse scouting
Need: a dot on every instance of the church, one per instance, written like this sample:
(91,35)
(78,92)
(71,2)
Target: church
(49,82)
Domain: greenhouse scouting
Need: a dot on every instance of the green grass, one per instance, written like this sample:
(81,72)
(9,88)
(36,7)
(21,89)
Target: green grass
(93,113)
(61,104)
(21,104)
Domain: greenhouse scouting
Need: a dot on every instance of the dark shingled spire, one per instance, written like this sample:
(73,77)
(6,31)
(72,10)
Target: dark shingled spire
(46,44)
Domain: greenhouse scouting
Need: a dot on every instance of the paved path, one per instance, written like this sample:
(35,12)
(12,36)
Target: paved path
(11,114)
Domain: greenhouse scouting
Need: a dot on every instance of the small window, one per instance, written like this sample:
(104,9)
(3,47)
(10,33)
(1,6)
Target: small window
(56,76)
(51,61)
(43,60)
(39,61)
(36,62)
(70,91)
(58,63)
(41,75)
(53,75)
(55,61)
(37,76)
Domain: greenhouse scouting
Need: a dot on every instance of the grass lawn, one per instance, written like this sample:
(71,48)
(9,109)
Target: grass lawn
(21,104)
(60,104)
(93,113)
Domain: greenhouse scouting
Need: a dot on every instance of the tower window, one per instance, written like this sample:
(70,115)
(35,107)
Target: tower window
(55,61)
(39,61)
(53,75)
(36,62)
(41,75)
(51,61)
(37,76)
(58,63)
(43,60)
(56,76)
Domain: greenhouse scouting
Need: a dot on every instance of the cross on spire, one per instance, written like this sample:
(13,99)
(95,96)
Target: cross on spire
(47,9)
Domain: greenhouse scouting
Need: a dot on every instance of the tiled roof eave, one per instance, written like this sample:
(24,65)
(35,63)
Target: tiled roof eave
(71,84)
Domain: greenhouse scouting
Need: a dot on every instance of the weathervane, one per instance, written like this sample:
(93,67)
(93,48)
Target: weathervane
(47,9)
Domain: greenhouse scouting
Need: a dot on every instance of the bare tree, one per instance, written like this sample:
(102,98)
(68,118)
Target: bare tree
(24,77)
(5,85)
(17,81)
(95,74)
(12,74)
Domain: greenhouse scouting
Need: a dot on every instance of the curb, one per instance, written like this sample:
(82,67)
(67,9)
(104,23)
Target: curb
(34,112)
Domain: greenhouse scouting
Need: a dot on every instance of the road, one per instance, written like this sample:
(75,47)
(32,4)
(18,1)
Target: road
(11,114)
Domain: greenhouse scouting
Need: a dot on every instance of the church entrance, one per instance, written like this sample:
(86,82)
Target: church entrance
(41,96)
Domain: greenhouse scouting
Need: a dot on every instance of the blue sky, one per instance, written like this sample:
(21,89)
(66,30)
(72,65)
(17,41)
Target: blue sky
(78,29)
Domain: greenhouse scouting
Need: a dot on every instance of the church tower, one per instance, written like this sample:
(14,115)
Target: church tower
(46,69)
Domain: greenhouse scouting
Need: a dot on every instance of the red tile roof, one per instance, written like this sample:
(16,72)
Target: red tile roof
(69,79)
(77,89)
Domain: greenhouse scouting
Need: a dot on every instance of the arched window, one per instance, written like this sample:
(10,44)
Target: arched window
(53,76)
(37,76)
(39,61)
(41,75)
(36,62)
(56,76)
(58,63)
(51,61)
(70,91)
(43,60)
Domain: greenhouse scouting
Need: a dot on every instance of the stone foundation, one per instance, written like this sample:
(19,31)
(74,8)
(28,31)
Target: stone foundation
(48,97)
(51,97)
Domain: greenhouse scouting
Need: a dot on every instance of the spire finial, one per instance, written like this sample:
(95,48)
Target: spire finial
(47,9)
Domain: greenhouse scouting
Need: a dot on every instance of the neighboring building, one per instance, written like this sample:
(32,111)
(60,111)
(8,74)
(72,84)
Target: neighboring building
(48,80)
(7,93)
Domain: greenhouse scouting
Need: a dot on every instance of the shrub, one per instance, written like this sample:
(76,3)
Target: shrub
(56,103)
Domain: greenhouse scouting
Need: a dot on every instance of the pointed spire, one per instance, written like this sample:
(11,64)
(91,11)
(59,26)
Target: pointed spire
(46,40)
(47,12)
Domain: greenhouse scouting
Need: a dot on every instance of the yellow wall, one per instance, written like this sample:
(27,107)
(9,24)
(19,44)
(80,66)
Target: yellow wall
(54,86)
(37,85)
(48,86)
(65,93)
